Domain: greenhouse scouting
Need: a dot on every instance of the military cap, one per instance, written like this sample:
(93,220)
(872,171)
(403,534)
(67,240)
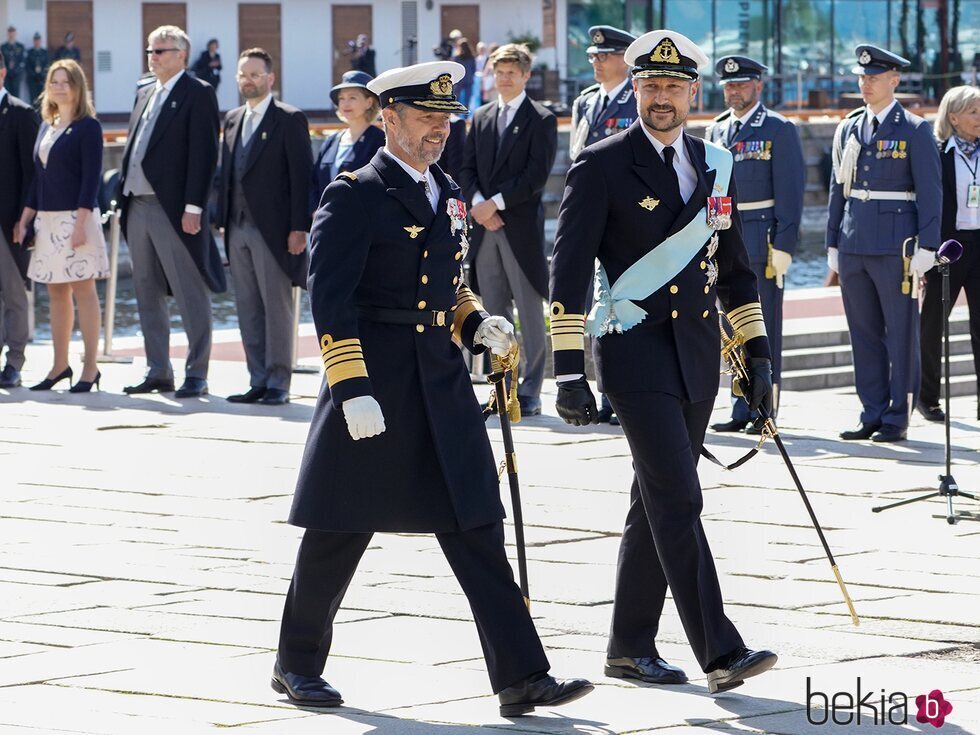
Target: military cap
(665,53)
(874,60)
(739,69)
(608,40)
(37,35)
(11,29)
(352,80)
(427,86)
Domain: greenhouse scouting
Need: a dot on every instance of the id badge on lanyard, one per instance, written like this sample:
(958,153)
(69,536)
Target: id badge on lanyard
(973,196)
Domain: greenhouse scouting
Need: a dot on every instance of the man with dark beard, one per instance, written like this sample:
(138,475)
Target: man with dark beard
(398,442)
(656,207)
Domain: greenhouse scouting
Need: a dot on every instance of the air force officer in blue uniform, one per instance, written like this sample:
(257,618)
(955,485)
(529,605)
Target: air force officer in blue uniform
(771,177)
(882,233)
(655,207)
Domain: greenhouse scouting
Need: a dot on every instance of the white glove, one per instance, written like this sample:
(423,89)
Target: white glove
(922,261)
(496,333)
(781,261)
(364,417)
(832,259)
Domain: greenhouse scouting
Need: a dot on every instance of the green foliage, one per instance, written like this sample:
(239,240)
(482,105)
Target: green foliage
(527,38)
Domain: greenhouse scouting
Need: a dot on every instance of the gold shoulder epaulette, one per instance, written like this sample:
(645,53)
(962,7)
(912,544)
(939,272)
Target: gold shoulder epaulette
(349,175)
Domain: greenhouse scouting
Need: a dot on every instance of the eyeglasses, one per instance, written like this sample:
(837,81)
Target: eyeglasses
(603,56)
(159,51)
(253,77)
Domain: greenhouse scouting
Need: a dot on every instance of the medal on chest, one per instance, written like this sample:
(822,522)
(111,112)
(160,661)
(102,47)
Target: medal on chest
(719,213)
(456,209)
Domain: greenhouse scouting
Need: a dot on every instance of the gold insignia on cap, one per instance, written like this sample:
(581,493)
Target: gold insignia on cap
(649,204)
(598,37)
(442,86)
(413,231)
(865,58)
(666,53)
(731,66)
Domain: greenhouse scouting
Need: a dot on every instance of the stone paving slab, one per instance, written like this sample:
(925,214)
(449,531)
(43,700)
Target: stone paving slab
(144,558)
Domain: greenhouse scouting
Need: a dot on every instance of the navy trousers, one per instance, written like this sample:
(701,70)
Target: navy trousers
(771,297)
(663,541)
(326,563)
(884,327)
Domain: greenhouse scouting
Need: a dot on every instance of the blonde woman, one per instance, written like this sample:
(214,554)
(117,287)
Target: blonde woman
(957,129)
(69,248)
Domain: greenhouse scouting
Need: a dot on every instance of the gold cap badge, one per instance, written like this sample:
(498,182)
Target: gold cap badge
(666,53)
(442,86)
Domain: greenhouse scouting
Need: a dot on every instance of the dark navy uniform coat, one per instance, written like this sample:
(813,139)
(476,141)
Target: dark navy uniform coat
(617,117)
(432,470)
(675,348)
(880,227)
(768,165)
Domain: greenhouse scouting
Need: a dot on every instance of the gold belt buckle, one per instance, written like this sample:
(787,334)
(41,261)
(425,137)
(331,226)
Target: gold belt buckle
(438,318)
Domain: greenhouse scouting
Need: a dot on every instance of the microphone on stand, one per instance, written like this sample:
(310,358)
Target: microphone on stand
(949,252)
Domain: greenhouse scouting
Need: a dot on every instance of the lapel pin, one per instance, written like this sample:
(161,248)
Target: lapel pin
(173,104)
(68,131)
(516,130)
(649,204)
(413,231)
(264,135)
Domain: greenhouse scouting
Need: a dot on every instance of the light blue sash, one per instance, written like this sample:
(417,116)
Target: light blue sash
(614,309)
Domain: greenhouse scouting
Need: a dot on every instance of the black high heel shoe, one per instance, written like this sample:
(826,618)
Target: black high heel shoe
(84,386)
(49,383)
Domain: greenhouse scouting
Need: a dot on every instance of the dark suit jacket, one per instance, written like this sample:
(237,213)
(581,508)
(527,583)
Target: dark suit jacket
(519,171)
(675,348)
(373,241)
(18,131)
(180,161)
(276,180)
(72,176)
(363,151)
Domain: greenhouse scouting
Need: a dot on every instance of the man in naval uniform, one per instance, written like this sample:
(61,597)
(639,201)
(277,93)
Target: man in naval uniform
(605,108)
(771,176)
(882,233)
(657,208)
(398,442)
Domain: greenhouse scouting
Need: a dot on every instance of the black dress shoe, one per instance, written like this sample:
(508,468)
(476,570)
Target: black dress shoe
(10,377)
(653,670)
(740,665)
(729,426)
(192,388)
(614,420)
(253,394)
(756,427)
(49,383)
(150,385)
(864,431)
(889,433)
(309,691)
(529,406)
(541,690)
(930,413)
(275,397)
(85,386)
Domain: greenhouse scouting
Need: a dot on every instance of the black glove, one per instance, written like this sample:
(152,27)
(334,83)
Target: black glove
(759,396)
(576,404)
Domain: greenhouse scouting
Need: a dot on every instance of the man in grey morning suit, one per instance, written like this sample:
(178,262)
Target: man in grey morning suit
(167,170)
(264,207)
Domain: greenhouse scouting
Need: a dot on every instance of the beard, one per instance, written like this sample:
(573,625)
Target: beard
(417,148)
(660,125)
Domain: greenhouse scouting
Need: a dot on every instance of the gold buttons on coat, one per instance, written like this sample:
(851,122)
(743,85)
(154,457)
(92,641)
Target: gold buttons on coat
(707,289)
(703,265)
(419,328)
(705,314)
(421,304)
(425,253)
(425,279)
(459,255)
(455,280)
(673,288)
(673,314)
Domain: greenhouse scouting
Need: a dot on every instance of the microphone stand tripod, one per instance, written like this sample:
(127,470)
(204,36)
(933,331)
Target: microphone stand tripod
(947,483)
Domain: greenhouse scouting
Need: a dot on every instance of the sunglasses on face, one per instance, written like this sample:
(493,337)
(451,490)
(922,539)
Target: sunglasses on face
(159,51)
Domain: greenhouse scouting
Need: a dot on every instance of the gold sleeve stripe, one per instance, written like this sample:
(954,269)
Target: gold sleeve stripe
(567,330)
(567,341)
(466,304)
(747,320)
(342,359)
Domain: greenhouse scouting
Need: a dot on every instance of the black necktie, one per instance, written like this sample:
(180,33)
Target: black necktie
(874,126)
(602,108)
(673,185)
(735,128)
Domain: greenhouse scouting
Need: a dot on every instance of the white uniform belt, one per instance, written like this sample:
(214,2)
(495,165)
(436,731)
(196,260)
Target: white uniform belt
(883,196)
(761,204)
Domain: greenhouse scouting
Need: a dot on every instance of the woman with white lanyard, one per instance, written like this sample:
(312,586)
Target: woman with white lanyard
(957,128)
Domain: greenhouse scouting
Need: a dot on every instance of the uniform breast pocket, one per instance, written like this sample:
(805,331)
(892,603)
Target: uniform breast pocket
(899,218)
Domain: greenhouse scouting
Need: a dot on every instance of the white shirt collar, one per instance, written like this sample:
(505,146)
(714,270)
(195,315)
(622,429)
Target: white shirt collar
(258,112)
(3,93)
(881,115)
(680,151)
(168,87)
(513,104)
(615,91)
(950,144)
(745,118)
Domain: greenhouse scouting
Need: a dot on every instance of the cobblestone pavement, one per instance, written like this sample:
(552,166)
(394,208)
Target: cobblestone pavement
(144,558)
